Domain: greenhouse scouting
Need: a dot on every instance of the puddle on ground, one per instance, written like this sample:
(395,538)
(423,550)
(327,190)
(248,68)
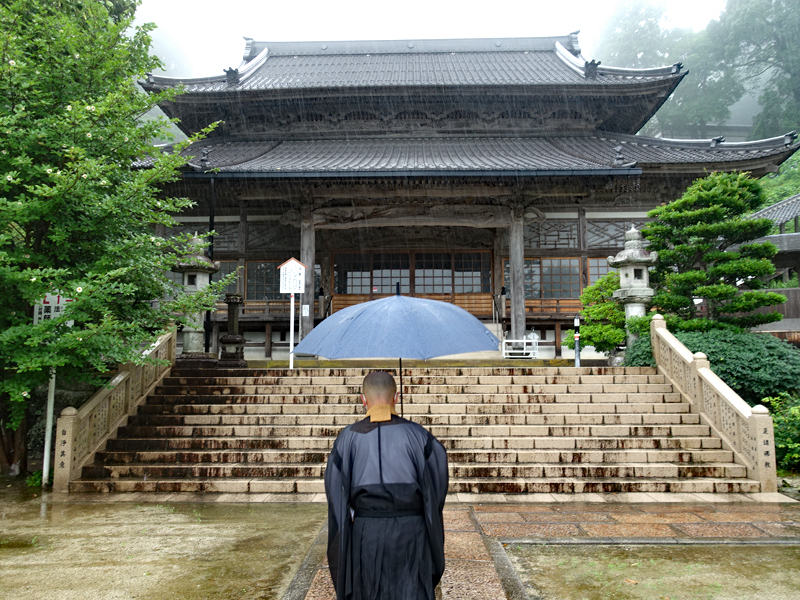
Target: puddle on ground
(153,552)
(673,572)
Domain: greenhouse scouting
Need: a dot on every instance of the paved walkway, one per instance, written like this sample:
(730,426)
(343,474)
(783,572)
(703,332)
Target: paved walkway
(478,527)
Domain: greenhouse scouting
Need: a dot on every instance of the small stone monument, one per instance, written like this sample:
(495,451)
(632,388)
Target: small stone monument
(634,280)
(232,343)
(197,269)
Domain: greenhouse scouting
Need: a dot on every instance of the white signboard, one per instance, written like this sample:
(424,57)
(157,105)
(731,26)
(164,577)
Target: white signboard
(293,277)
(50,307)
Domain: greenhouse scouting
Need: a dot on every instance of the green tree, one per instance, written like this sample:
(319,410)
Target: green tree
(76,217)
(636,37)
(603,317)
(694,237)
(760,41)
(784,184)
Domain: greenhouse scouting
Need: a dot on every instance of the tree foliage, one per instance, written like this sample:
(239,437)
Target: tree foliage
(760,41)
(637,37)
(695,237)
(76,217)
(603,317)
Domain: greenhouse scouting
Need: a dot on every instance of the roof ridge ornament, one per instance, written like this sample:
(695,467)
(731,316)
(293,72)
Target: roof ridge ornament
(590,69)
(717,140)
(231,76)
(789,138)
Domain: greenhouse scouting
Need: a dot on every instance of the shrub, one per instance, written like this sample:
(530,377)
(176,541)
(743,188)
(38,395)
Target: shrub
(786,418)
(755,365)
(640,354)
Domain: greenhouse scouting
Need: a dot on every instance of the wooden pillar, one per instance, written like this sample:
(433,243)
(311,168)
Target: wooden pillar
(497,262)
(307,257)
(558,340)
(268,340)
(516,255)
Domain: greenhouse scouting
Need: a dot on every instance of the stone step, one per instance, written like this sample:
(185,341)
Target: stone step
(422,419)
(419,380)
(457,470)
(409,399)
(437,430)
(450,443)
(488,456)
(355,389)
(418,371)
(413,409)
(478,485)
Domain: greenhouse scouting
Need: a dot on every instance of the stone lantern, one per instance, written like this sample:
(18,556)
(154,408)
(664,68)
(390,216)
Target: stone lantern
(196,269)
(232,342)
(634,280)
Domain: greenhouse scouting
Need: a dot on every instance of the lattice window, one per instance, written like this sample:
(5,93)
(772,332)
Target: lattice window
(388,270)
(549,277)
(597,268)
(433,273)
(263,280)
(225,240)
(561,277)
(351,274)
(472,272)
(226,268)
(609,234)
(552,234)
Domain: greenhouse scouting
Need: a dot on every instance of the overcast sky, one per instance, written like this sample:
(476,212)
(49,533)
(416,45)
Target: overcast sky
(203,37)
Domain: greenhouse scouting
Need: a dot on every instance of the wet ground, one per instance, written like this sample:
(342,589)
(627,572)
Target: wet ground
(153,551)
(251,546)
(629,572)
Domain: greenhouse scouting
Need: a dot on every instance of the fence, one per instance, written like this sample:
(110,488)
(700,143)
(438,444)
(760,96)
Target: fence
(82,432)
(746,431)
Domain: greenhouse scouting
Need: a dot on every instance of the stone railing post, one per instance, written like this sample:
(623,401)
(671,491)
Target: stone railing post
(657,323)
(65,448)
(700,361)
(762,436)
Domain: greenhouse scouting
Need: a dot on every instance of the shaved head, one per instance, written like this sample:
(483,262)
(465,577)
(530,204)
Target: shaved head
(379,388)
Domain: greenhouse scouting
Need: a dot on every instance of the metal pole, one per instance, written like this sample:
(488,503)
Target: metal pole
(577,323)
(48,432)
(291,331)
(211,208)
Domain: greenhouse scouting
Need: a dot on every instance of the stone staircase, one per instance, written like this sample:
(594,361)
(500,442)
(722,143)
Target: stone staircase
(506,430)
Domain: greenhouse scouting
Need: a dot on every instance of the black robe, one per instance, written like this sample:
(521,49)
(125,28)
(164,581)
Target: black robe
(386,484)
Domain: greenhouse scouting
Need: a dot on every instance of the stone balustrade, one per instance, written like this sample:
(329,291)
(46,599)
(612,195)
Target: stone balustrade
(747,431)
(82,432)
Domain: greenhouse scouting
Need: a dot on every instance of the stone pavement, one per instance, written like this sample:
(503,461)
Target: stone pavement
(478,568)
(478,527)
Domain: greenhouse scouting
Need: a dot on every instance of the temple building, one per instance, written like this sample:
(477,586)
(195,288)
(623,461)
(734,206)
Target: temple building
(455,168)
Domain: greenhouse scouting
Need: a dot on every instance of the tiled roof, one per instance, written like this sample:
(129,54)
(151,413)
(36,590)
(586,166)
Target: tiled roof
(780,212)
(589,154)
(423,63)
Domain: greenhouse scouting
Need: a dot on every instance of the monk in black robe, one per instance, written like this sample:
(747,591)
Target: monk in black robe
(386,483)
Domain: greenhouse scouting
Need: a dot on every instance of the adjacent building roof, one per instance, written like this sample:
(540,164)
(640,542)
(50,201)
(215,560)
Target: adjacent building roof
(588,155)
(417,63)
(780,212)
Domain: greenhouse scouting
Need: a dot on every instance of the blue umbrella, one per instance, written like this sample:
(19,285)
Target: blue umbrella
(398,327)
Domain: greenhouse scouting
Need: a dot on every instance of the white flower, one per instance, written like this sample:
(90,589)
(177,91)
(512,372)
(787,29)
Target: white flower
(79,289)
(126,139)
(4,152)
(80,339)
(84,175)
(49,170)
(12,63)
(33,278)
(26,394)
(9,177)
(77,56)
(90,108)
(27,256)
(103,182)
(88,135)
(58,172)
(69,107)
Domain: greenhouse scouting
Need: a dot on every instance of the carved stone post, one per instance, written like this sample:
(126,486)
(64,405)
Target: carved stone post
(65,449)
(232,342)
(762,434)
(307,257)
(516,256)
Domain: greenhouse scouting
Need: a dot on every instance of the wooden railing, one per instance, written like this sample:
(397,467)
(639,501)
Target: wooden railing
(746,431)
(82,432)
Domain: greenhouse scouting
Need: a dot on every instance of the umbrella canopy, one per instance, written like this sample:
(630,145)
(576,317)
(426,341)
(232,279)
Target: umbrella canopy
(398,327)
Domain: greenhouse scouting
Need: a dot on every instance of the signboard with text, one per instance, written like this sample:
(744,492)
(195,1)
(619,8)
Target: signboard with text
(50,307)
(293,277)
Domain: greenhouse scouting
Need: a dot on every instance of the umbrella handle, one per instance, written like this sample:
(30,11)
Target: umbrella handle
(401,387)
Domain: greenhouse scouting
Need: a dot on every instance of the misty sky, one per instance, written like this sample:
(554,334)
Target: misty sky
(203,37)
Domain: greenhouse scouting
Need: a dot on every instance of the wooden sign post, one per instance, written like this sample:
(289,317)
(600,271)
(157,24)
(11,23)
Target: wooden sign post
(293,280)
